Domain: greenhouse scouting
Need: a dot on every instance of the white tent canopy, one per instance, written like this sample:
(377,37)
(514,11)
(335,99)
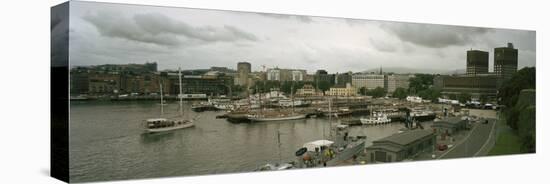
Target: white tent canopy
(317,144)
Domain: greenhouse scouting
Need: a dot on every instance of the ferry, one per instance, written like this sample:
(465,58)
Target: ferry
(376,119)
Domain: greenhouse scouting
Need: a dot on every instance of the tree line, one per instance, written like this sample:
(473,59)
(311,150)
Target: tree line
(518,97)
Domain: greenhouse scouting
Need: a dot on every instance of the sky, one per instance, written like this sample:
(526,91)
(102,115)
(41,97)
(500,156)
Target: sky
(104,33)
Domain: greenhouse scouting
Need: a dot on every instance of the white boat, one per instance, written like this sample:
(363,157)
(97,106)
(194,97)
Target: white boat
(155,125)
(376,119)
(275,167)
(224,106)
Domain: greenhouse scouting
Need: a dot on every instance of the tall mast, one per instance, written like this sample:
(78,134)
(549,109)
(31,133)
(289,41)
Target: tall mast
(161,101)
(330,117)
(180,95)
(292,96)
(260,100)
(248,96)
(279,143)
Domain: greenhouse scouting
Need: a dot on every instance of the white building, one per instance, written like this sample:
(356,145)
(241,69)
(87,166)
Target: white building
(369,81)
(278,74)
(397,81)
(297,75)
(274,74)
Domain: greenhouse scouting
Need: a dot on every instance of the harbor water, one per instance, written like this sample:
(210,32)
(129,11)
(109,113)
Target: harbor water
(107,141)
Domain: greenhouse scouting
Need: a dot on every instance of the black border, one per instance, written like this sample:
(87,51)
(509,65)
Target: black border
(59,92)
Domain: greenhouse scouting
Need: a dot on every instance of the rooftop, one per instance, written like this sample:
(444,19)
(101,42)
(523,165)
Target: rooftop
(407,137)
(386,147)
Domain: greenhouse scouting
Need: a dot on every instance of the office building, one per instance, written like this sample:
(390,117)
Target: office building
(477,62)
(243,71)
(368,81)
(506,61)
(397,81)
(278,74)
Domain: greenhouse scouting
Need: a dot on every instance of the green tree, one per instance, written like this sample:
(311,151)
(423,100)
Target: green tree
(420,82)
(526,130)
(363,91)
(519,99)
(324,85)
(377,92)
(430,94)
(400,93)
(509,91)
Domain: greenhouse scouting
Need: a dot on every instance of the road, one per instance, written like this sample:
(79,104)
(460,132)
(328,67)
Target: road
(472,143)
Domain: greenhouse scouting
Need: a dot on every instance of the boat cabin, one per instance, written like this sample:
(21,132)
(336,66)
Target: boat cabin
(159,123)
(316,146)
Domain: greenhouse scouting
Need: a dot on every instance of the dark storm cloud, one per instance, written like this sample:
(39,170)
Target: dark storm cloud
(159,29)
(194,38)
(434,36)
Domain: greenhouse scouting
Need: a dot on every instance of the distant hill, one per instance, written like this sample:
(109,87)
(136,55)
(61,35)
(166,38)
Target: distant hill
(405,70)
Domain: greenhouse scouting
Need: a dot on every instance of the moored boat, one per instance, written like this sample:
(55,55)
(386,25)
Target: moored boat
(275,117)
(340,148)
(376,119)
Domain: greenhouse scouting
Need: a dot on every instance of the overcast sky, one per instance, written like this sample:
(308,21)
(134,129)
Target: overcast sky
(195,39)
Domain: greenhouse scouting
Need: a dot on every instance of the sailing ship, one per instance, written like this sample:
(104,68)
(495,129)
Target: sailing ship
(276,115)
(156,125)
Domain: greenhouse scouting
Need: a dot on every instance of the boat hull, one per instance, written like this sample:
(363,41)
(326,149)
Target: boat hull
(204,108)
(374,122)
(295,117)
(166,129)
(423,118)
